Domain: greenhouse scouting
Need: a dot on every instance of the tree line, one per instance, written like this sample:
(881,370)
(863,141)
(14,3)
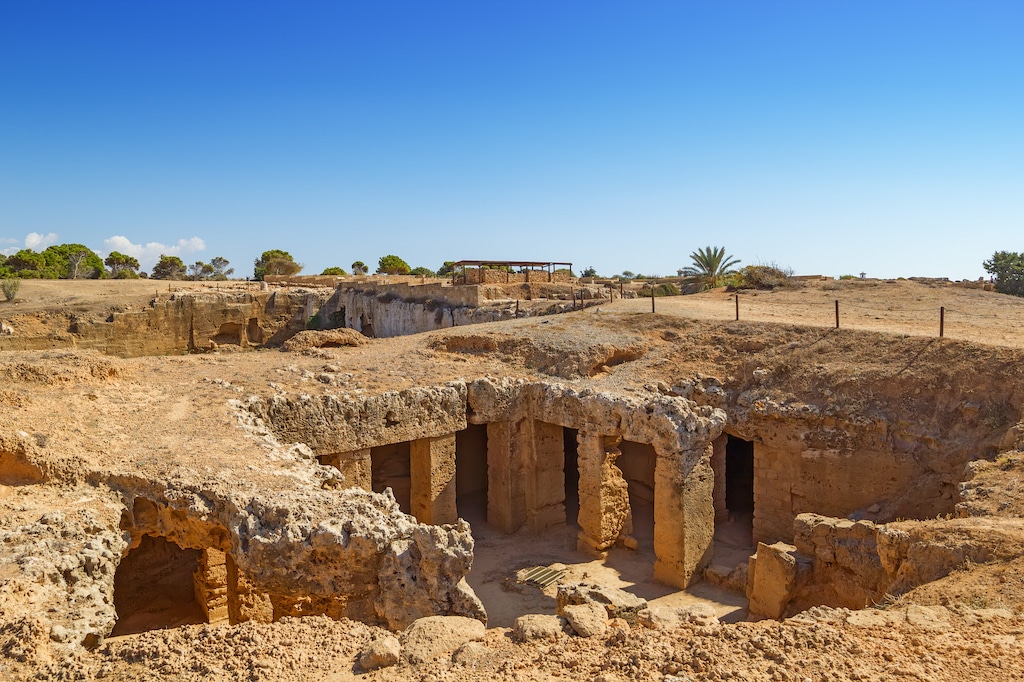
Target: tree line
(76,261)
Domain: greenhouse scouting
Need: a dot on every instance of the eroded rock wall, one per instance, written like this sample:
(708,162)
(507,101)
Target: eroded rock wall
(176,324)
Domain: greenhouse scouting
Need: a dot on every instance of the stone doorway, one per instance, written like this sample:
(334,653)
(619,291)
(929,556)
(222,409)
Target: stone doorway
(637,462)
(739,479)
(155,588)
(471,473)
(391,467)
(571,472)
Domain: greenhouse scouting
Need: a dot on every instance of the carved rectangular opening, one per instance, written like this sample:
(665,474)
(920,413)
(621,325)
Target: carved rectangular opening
(155,588)
(471,473)
(739,479)
(390,467)
(571,472)
(637,463)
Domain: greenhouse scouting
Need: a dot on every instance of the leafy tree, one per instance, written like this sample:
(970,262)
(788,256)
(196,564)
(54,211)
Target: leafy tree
(200,270)
(446,269)
(221,271)
(360,268)
(5,272)
(169,267)
(425,272)
(1008,269)
(392,265)
(710,266)
(27,264)
(589,272)
(275,262)
(73,261)
(628,274)
(334,270)
(122,266)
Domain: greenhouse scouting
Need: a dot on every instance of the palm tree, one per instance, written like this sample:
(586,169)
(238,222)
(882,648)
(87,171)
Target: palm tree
(710,266)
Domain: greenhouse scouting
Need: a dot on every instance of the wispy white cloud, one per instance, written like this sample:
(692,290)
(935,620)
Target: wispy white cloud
(148,254)
(36,241)
(33,240)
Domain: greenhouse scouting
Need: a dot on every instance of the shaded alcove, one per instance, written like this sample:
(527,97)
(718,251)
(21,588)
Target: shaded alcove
(572,476)
(253,332)
(637,462)
(739,479)
(154,588)
(471,473)
(390,467)
(229,333)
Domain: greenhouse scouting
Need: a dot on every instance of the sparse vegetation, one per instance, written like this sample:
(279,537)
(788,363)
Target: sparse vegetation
(122,266)
(169,267)
(275,262)
(359,268)
(767,276)
(1008,269)
(392,265)
(710,267)
(659,290)
(10,288)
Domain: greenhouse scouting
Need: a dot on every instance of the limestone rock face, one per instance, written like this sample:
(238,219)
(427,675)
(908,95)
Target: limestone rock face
(434,636)
(344,553)
(616,603)
(66,558)
(188,322)
(341,424)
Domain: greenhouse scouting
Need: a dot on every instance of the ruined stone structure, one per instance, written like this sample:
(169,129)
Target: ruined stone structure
(336,477)
(525,457)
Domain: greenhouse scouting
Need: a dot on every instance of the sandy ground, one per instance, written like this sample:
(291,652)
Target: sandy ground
(895,306)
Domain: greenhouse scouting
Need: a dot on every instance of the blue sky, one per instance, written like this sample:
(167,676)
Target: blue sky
(831,137)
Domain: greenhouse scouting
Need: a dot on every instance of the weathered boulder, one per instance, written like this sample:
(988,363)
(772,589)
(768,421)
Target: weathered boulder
(434,636)
(616,603)
(587,620)
(324,338)
(671,617)
(380,653)
(538,626)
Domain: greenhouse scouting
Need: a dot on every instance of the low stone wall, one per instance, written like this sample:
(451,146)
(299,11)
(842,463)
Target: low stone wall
(493,276)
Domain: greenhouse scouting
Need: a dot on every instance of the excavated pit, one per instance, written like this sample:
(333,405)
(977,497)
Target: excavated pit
(701,490)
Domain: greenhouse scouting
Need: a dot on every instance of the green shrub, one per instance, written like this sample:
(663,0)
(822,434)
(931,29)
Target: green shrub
(10,288)
(659,290)
(768,276)
(847,276)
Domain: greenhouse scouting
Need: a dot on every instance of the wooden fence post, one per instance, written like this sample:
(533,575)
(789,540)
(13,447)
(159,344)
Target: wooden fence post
(837,313)
(737,307)
(942,321)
